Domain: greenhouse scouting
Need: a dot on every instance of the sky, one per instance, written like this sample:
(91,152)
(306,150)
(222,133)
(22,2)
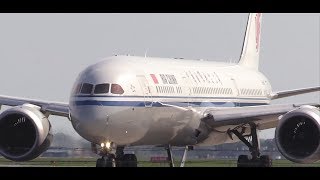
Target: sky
(42,54)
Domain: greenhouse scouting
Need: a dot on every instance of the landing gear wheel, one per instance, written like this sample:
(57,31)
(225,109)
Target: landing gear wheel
(129,160)
(254,147)
(106,161)
(265,161)
(243,161)
(99,163)
(262,161)
(110,160)
(119,162)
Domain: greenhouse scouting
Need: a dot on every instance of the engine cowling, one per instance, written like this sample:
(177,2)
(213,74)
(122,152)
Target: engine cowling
(24,133)
(298,135)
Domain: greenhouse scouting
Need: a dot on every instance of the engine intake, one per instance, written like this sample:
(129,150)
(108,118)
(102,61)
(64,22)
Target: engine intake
(24,133)
(298,135)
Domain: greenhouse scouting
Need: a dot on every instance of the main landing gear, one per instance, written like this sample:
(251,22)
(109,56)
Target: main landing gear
(183,159)
(256,160)
(119,159)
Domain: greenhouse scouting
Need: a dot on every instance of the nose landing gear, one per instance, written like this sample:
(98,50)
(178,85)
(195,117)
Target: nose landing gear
(119,159)
(106,161)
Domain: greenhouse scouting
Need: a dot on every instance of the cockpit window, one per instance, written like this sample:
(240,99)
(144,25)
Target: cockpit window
(101,88)
(86,88)
(77,89)
(116,89)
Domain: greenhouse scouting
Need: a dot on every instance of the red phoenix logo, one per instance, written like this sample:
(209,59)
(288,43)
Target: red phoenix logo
(257,19)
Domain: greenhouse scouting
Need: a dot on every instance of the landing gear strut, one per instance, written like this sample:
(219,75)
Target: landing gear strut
(183,159)
(254,147)
(170,157)
(119,159)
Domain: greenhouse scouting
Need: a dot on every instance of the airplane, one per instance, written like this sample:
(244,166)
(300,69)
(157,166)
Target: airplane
(128,100)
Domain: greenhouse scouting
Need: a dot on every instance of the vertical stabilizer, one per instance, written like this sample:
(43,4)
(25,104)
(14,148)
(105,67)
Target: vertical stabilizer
(251,45)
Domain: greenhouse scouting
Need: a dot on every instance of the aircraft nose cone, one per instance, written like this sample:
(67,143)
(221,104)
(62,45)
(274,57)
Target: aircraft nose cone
(87,122)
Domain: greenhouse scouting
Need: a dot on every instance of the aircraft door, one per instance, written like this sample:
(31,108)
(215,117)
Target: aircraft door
(145,88)
(236,89)
(187,89)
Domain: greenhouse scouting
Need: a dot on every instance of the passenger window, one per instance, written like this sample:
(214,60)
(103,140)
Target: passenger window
(86,88)
(101,88)
(116,89)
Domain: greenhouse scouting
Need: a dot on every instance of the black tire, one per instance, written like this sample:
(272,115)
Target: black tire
(99,162)
(265,161)
(129,160)
(106,161)
(243,161)
(119,162)
(110,161)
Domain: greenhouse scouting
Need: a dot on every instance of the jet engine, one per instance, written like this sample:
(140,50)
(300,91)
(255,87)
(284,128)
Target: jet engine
(298,135)
(24,133)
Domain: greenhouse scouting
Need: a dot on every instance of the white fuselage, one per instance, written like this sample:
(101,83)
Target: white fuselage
(163,100)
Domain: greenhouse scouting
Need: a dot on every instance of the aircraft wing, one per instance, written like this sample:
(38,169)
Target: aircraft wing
(283,94)
(265,116)
(52,108)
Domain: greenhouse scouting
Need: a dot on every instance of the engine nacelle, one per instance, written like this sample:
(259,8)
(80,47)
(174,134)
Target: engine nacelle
(24,133)
(298,135)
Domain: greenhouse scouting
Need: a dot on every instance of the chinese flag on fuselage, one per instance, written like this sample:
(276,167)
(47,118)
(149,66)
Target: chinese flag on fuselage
(154,78)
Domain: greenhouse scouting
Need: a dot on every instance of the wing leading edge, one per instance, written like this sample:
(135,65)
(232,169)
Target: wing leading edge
(265,116)
(283,94)
(52,108)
